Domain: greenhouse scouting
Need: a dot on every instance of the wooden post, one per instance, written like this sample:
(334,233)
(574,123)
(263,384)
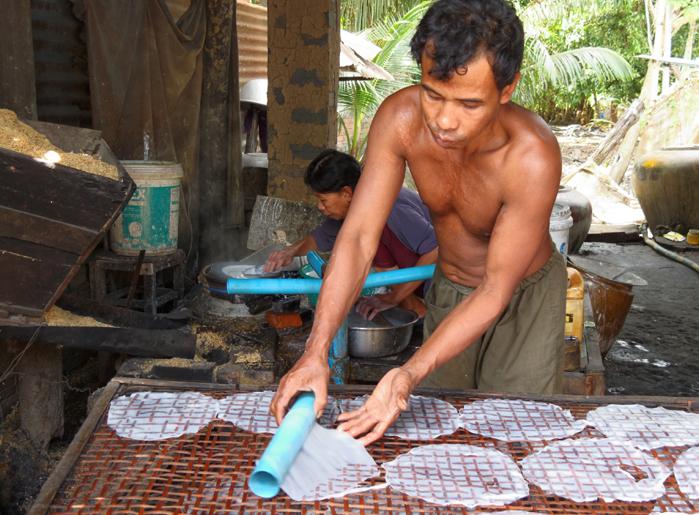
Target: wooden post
(17,84)
(220,154)
(40,392)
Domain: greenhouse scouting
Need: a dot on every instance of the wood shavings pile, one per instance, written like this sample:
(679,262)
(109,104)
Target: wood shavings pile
(19,137)
(57,317)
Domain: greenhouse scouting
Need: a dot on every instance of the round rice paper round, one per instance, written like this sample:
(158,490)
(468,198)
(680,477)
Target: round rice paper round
(646,428)
(425,419)
(519,420)
(457,474)
(160,415)
(587,469)
(250,411)
(686,471)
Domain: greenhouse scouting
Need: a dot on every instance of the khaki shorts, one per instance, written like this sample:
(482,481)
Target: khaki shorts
(522,351)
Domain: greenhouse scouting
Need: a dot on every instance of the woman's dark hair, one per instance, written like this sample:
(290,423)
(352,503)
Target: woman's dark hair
(453,32)
(331,170)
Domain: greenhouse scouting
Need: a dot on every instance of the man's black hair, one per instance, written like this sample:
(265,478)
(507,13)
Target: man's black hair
(454,32)
(331,170)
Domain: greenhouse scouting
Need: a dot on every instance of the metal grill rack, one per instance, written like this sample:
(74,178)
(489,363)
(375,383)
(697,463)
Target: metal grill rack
(207,472)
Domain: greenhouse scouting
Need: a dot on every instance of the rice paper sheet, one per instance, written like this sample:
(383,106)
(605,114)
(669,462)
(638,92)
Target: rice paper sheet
(457,474)
(250,412)
(330,464)
(519,420)
(646,428)
(587,469)
(160,415)
(425,419)
(686,471)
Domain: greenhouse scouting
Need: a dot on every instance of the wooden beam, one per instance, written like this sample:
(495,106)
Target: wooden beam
(42,503)
(135,342)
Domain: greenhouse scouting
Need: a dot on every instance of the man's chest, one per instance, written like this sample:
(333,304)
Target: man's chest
(473,196)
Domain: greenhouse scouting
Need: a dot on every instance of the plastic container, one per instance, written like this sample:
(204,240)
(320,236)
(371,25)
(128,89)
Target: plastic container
(575,295)
(581,211)
(150,220)
(559,227)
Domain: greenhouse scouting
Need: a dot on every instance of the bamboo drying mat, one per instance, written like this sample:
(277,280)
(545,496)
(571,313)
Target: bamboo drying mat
(207,472)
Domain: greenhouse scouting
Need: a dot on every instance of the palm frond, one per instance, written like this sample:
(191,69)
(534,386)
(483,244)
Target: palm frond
(601,63)
(360,14)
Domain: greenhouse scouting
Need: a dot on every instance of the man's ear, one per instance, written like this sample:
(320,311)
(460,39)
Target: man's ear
(508,91)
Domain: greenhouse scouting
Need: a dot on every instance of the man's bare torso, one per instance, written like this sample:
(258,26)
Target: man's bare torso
(466,195)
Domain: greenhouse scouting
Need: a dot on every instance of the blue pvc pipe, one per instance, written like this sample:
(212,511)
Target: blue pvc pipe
(259,286)
(338,357)
(271,469)
(317,263)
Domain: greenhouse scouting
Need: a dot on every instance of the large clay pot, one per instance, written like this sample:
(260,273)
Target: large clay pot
(666,183)
(581,210)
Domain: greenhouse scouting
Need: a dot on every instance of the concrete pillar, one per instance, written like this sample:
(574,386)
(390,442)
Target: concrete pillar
(304,49)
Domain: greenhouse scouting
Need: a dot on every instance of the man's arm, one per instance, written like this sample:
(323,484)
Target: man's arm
(520,230)
(349,265)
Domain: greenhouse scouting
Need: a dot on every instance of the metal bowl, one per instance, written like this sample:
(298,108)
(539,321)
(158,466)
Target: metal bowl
(375,339)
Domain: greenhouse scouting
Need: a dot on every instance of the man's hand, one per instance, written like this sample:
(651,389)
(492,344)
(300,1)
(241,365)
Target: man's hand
(310,373)
(278,259)
(369,307)
(389,398)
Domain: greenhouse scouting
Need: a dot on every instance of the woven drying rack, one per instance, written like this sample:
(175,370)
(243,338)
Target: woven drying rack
(206,473)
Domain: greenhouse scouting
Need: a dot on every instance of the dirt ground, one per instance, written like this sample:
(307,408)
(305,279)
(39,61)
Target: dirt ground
(656,351)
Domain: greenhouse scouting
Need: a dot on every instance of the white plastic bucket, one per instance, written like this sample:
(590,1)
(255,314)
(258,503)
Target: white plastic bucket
(150,220)
(559,227)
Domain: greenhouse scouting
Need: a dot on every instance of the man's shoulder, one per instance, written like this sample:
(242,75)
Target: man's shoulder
(530,134)
(533,157)
(400,109)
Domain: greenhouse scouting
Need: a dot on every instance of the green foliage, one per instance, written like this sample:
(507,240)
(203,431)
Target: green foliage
(359,100)
(594,44)
(579,57)
(358,15)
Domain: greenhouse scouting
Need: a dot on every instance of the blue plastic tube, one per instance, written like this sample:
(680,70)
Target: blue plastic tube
(258,286)
(317,263)
(271,469)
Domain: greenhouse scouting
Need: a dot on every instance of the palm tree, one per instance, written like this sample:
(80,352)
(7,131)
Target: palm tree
(542,69)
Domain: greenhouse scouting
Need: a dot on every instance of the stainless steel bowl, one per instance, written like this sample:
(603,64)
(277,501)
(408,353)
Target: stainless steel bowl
(372,339)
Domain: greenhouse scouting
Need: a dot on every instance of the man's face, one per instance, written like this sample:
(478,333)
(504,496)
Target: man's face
(335,205)
(460,108)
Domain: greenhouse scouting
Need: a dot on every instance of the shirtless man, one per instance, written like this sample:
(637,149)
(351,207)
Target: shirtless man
(489,171)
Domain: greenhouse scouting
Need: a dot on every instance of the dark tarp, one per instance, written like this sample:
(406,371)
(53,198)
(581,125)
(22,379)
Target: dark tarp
(145,62)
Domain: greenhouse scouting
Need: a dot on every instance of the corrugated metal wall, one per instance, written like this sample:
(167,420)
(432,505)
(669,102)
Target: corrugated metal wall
(60,57)
(251,21)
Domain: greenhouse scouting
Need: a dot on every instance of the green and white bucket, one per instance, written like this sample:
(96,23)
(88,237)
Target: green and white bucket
(151,218)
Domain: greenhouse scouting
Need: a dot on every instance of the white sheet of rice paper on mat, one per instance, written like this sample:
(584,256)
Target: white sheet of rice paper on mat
(250,412)
(519,420)
(686,471)
(426,418)
(160,415)
(590,468)
(457,474)
(646,428)
(331,464)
